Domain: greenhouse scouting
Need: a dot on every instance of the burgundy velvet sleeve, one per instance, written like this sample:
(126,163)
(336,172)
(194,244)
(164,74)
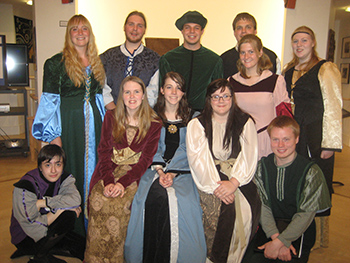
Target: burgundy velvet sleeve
(284,108)
(148,146)
(105,166)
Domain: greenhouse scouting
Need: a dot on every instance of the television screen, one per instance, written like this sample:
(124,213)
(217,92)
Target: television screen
(17,66)
(3,72)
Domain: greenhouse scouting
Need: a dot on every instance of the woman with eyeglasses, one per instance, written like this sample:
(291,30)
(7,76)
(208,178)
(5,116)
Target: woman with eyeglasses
(222,151)
(258,91)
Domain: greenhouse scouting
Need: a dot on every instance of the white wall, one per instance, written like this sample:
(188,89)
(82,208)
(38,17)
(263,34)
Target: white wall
(344,31)
(7,23)
(107,19)
(312,13)
(49,35)
(25,11)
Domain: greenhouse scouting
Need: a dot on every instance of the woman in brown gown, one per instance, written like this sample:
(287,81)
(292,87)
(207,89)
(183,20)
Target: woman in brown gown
(129,140)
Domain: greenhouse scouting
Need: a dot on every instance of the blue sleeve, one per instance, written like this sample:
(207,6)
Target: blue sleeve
(47,123)
(100,105)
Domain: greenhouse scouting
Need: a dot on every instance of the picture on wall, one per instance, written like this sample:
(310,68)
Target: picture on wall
(24,35)
(345,51)
(344,71)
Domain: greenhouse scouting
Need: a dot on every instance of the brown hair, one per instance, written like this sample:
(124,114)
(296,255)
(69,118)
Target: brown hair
(136,13)
(284,121)
(314,56)
(235,120)
(71,58)
(264,61)
(145,114)
(183,111)
(244,16)
(48,152)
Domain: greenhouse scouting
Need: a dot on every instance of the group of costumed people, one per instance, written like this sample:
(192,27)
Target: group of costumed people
(172,184)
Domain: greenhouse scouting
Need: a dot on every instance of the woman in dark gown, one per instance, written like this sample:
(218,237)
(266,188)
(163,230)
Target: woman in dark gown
(314,86)
(166,217)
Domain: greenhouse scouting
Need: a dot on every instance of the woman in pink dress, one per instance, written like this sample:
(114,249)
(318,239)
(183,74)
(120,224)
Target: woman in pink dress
(258,91)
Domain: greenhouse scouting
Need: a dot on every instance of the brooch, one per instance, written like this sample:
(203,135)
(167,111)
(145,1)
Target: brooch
(172,128)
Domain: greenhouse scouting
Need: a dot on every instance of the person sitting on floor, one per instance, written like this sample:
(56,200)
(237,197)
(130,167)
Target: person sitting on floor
(45,205)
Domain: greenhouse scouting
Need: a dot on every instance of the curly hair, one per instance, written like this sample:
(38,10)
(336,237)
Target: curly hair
(72,61)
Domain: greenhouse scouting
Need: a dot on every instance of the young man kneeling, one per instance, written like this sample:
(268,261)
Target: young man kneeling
(292,189)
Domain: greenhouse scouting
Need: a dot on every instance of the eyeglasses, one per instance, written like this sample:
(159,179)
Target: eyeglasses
(224,97)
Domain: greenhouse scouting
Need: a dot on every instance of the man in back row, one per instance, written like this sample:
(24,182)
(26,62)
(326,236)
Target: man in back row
(197,64)
(244,24)
(131,59)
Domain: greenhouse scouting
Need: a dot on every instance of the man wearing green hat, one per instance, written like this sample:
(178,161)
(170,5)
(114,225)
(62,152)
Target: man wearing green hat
(197,64)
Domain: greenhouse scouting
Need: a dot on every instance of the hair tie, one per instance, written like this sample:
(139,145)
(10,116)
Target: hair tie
(300,32)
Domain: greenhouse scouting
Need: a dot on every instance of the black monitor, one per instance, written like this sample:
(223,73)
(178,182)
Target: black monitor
(17,65)
(3,71)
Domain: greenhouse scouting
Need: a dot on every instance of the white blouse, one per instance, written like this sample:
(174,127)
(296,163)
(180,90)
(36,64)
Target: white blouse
(201,161)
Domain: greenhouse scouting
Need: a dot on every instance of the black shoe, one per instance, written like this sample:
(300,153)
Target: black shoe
(46,259)
(72,245)
(20,253)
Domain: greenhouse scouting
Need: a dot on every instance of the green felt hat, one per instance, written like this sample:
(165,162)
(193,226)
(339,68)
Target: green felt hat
(191,17)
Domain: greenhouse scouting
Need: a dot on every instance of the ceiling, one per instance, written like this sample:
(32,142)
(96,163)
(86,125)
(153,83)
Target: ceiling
(339,5)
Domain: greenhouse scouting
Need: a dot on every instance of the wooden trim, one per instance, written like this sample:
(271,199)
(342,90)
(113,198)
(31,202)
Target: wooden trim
(289,4)
(161,45)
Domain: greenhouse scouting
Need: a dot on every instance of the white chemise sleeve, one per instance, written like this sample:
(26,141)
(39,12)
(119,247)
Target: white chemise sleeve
(201,162)
(245,165)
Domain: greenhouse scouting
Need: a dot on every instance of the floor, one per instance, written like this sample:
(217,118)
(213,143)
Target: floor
(12,168)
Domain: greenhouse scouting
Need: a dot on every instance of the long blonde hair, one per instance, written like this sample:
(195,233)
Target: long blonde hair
(145,113)
(72,61)
(314,56)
